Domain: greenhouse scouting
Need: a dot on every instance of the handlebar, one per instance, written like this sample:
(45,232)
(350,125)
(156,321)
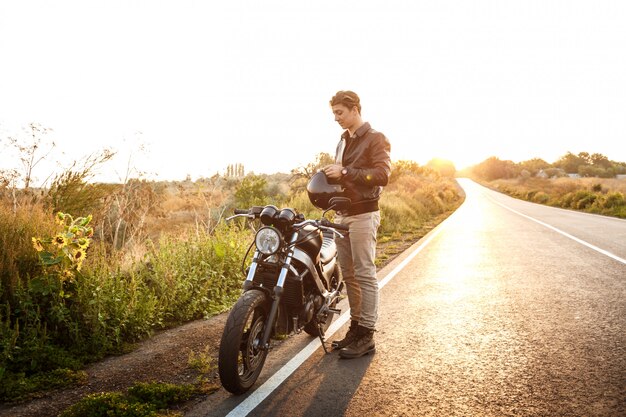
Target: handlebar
(250,213)
(337,226)
(323,223)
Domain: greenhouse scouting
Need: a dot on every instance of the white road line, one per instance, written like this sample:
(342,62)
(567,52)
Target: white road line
(290,367)
(574,238)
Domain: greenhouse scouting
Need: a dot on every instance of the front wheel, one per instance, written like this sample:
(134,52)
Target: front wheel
(241,357)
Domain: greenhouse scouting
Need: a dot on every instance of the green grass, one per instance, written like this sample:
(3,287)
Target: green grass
(140,400)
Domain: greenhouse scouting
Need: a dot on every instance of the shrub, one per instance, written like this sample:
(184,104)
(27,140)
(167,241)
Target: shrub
(161,395)
(199,275)
(566,200)
(141,400)
(578,194)
(110,404)
(583,199)
(19,387)
(613,200)
(18,260)
(540,197)
(398,216)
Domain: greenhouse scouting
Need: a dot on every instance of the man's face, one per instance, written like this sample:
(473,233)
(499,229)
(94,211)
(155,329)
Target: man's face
(347,118)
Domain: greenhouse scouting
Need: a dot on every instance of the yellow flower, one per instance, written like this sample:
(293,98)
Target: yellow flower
(83,243)
(60,217)
(79,255)
(67,274)
(60,240)
(37,244)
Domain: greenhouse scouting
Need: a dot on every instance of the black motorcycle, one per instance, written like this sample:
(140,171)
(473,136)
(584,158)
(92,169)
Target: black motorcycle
(293,283)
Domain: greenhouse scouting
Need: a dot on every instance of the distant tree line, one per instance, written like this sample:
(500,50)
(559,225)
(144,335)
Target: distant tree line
(235,171)
(583,164)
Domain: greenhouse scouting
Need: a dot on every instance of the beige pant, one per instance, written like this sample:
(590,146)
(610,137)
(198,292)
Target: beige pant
(356,256)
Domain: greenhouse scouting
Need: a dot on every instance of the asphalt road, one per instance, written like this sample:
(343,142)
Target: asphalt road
(508,309)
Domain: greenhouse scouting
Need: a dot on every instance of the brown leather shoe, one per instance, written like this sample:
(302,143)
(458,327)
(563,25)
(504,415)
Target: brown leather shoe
(348,338)
(362,345)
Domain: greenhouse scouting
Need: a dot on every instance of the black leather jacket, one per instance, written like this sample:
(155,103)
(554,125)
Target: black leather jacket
(367,160)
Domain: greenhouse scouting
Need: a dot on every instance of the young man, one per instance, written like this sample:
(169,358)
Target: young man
(362,166)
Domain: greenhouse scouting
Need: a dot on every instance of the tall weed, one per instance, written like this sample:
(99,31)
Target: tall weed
(18,260)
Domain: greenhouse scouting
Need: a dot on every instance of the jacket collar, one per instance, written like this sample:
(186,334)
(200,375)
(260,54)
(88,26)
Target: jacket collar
(359,132)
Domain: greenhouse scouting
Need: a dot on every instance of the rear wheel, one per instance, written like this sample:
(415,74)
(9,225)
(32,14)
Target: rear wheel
(241,357)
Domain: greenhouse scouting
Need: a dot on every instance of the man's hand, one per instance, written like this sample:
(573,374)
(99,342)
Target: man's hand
(333,171)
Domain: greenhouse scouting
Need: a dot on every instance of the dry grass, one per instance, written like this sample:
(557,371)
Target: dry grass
(562,185)
(593,195)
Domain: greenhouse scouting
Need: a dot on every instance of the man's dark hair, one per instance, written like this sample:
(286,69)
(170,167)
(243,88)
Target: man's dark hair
(347,98)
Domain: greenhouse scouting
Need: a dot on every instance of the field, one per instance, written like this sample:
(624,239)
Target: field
(89,269)
(592,195)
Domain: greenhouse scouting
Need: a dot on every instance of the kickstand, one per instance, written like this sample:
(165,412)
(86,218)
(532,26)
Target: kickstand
(320,333)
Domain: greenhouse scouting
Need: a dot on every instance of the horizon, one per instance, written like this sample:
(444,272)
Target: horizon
(106,179)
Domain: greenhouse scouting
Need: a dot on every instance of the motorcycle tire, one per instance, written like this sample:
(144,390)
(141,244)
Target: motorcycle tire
(240,357)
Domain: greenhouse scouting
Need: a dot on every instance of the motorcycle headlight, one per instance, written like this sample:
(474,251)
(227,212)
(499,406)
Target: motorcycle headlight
(267,240)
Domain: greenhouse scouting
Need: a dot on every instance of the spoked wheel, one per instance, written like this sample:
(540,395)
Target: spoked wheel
(241,358)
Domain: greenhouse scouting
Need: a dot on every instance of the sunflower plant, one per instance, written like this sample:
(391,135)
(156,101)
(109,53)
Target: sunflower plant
(63,254)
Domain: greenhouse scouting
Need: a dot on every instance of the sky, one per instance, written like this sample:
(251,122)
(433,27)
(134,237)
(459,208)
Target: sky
(185,88)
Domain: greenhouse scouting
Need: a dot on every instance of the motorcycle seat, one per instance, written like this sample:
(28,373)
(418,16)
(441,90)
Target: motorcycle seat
(329,248)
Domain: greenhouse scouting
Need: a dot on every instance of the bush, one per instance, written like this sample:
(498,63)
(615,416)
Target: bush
(583,199)
(199,275)
(142,400)
(161,395)
(18,260)
(110,404)
(540,197)
(67,315)
(398,216)
(19,387)
(614,200)
(588,194)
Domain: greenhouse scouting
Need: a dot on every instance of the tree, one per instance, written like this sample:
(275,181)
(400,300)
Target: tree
(300,176)
(321,160)
(600,161)
(444,167)
(29,149)
(493,168)
(251,192)
(405,167)
(534,165)
(570,163)
(235,171)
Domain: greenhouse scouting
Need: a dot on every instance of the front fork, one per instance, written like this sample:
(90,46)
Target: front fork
(278,292)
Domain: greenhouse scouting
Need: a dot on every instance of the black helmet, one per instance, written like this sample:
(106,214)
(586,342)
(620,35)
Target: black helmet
(320,190)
